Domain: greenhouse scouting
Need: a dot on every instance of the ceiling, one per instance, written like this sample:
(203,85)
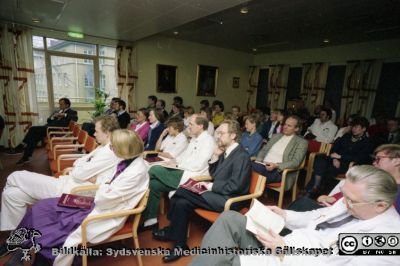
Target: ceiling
(269,26)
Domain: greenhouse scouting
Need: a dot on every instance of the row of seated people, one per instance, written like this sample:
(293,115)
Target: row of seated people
(230,169)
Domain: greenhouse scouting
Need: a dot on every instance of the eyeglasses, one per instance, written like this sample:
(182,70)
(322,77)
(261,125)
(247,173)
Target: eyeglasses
(351,204)
(378,158)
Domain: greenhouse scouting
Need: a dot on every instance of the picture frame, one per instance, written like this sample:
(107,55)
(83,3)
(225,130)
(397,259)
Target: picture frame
(207,79)
(236,82)
(166,78)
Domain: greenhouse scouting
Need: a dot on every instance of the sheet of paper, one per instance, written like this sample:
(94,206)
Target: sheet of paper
(261,218)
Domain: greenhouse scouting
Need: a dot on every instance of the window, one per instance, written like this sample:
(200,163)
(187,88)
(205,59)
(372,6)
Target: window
(89,80)
(102,82)
(71,74)
(88,52)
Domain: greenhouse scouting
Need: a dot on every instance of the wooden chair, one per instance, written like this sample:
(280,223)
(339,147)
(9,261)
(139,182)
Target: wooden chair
(59,137)
(129,230)
(284,185)
(314,148)
(53,131)
(78,143)
(257,185)
(67,160)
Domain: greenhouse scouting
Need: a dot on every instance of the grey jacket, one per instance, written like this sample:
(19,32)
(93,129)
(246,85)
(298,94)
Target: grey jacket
(292,156)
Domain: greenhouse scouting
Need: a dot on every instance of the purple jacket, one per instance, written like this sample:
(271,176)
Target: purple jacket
(143,131)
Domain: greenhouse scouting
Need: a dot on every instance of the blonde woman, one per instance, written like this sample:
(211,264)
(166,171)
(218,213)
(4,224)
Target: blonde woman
(60,226)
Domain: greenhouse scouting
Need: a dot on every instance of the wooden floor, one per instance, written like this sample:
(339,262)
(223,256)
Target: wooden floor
(39,163)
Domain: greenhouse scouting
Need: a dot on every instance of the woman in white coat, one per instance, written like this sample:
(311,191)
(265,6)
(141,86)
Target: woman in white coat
(24,187)
(60,227)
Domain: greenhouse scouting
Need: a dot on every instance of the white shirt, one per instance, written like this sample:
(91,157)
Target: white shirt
(196,156)
(210,128)
(174,145)
(230,149)
(324,132)
(275,154)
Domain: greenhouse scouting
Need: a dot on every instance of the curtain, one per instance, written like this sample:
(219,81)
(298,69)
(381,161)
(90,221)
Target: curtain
(277,86)
(254,71)
(127,75)
(359,89)
(313,84)
(17,86)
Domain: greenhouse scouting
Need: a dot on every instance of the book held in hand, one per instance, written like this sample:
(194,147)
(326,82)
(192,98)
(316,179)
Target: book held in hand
(261,218)
(194,186)
(75,201)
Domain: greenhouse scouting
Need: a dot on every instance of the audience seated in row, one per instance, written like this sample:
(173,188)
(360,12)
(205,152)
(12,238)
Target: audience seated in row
(121,190)
(366,207)
(24,187)
(352,147)
(230,169)
(192,162)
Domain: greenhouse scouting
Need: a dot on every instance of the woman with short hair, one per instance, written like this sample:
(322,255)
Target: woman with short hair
(172,140)
(141,126)
(156,120)
(251,140)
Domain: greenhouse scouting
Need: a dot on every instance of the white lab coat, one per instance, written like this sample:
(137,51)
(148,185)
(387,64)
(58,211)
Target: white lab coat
(324,132)
(24,187)
(194,160)
(304,235)
(123,193)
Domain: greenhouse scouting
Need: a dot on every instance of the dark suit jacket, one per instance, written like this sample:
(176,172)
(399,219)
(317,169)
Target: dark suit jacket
(358,152)
(383,138)
(153,136)
(124,119)
(64,121)
(231,178)
(266,127)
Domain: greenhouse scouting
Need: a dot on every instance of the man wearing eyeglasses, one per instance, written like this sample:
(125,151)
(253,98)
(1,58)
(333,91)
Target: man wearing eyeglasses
(366,207)
(230,172)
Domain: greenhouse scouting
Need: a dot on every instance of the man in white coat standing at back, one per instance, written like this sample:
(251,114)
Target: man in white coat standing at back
(366,207)
(24,187)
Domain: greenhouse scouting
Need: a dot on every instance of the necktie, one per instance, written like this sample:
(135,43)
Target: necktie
(325,225)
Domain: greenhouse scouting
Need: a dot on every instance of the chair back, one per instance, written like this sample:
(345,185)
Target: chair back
(82,136)
(257,185)
(76,130)
(90,144)
(140,208)
(71,125)
(314,146)
(256,182)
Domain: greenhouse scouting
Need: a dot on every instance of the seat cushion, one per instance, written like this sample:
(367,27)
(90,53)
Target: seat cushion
(63,164)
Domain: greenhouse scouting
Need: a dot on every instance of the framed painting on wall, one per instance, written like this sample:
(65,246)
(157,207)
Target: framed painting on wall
(166,78)
(207,78)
